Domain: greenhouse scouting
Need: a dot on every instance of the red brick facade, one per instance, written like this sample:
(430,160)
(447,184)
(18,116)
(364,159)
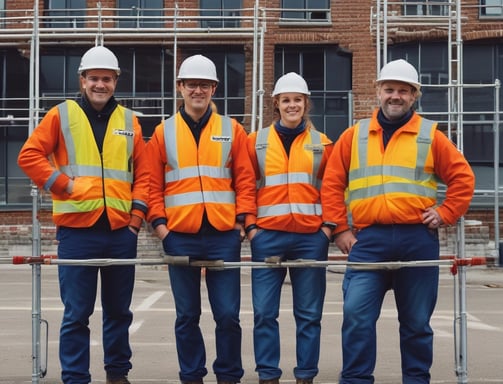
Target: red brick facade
(352,27)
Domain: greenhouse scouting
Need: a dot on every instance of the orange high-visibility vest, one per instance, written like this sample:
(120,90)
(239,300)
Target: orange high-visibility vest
(198,178)
(101,181)
(395,185)
(288,191)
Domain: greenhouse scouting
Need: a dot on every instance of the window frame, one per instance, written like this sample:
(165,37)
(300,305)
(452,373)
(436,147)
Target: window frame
(56,16)
(484,7)
(221,15)
(308,15)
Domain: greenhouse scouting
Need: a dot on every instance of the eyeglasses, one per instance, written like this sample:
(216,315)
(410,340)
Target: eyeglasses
(193,86)
(104,79)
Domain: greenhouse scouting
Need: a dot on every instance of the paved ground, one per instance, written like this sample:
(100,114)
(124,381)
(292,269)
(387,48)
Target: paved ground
(153,341)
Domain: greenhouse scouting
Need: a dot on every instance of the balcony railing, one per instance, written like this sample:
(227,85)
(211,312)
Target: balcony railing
(131,24)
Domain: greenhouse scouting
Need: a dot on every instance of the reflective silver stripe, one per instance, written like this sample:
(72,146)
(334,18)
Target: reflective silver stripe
(177,173)
(170,142)
(128,117)
(90,170)
(198,197)
(286,209)
(260,150)
(189,172)
(363,139)
(82,170)
(226,145)
(65,129)
(286,178)
(423,145)
(317,156)
(375,190)
(389,170)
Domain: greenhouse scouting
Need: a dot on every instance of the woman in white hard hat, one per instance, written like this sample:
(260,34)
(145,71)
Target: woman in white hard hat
(99,185)
(202,188)
(383,173)
(289,158)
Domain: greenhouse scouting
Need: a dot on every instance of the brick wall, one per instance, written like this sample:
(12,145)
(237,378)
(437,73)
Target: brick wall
(16,238)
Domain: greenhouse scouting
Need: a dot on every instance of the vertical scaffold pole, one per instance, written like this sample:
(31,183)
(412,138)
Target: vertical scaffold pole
(36,247)
(456,79)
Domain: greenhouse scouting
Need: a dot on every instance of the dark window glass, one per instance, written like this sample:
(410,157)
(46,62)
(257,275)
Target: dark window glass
(64,13)
(146,84)
(327,71)
(54,89)
(229,95)
(426,8)
(140,13)
(492,8)
(221,13)
(482,63)
(312,10)
(2,13)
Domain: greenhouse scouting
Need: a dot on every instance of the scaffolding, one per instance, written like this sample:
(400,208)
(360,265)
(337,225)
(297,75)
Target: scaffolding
(169,27)
(445,18)
(27,29)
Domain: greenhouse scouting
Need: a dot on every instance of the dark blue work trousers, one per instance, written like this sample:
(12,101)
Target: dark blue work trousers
(78,289)
(415,290)
(224,295)
(308,291)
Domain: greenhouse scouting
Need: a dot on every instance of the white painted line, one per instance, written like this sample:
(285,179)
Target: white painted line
(135,326)
(149,301)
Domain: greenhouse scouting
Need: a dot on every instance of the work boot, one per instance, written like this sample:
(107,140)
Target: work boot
(118,380)
(268,381)
(304,381)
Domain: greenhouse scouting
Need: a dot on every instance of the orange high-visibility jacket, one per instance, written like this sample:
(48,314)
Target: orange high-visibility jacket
(110,180)
(188,179)
(394,185)
(288,196)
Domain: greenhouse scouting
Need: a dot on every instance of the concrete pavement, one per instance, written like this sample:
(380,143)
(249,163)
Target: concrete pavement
(152,336)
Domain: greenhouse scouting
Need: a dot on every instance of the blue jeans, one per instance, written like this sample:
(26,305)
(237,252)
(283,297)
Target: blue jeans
(224,294)
(308,290)
(78,288)
(415,290)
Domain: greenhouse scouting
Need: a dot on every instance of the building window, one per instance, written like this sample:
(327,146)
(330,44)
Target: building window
(2,13)
(230,94)
(305,10)
(220,13)
(146,84)
(64,13)
(426,8)
(482,63)
(140,13)
(491,8)
(327,71)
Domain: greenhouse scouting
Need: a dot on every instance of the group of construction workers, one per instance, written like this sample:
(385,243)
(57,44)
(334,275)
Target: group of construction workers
(204,185)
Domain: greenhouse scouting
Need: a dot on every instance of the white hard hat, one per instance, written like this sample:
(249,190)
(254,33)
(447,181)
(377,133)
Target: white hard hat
(197,67)
(99,57)
(400,70)
(291,82)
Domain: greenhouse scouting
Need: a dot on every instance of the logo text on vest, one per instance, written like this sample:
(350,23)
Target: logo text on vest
(123,132)
(222,139)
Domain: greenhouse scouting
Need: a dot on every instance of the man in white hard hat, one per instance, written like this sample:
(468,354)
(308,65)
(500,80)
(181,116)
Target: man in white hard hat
(289,157)
(99,184)
(383,174)
(201,191)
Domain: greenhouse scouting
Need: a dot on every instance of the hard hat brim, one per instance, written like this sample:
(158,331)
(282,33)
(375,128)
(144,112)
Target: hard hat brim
(401,79)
